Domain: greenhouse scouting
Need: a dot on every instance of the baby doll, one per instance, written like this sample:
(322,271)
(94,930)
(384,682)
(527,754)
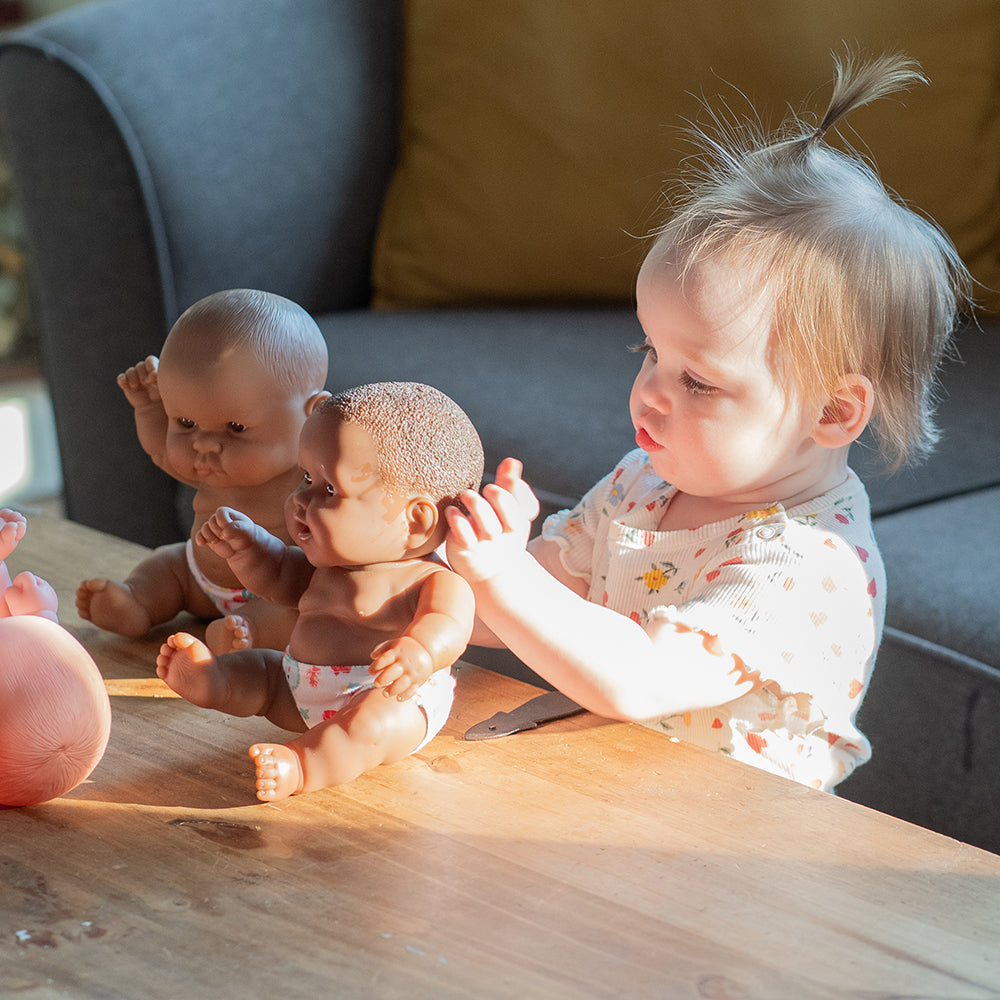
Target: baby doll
(55,717)
(381,619)
(26,594)
(221,411)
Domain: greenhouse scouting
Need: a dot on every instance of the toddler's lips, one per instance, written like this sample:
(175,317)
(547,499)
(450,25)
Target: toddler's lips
(645,442)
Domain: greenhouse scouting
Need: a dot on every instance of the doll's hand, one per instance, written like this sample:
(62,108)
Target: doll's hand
(494,532)
(227,532)
(400,666)
(140,385)
(31,595)
(12,527)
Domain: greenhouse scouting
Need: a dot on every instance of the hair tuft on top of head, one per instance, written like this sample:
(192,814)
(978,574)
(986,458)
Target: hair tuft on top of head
(860,282)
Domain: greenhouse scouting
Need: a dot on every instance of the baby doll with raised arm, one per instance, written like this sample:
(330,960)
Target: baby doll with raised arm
(26,594)
(365,676)
(722,583)
(221,411)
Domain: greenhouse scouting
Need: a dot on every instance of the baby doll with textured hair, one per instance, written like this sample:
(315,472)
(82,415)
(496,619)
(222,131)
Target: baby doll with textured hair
(220,410)
(365,676)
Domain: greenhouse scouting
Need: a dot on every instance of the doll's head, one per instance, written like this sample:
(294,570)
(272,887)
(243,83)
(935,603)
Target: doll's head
(238,374)
(380,464)
(423,439)
(55,717)
(854,281)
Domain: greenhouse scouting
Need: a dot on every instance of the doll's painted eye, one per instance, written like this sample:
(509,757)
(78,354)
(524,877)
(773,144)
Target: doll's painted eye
(307,479)
(331,491)
(236,427)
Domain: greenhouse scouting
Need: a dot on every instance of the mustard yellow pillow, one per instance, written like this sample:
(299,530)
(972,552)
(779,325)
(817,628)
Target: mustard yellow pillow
(536,134)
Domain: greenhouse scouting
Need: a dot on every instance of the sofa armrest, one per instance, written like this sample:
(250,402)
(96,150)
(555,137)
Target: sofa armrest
(163,151)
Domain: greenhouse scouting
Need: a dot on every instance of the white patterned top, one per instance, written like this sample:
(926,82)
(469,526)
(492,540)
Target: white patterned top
(797,596)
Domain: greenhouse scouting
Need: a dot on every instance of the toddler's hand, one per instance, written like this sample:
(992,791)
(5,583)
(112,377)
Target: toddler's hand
(227,532)
(400,666)
(139,383)
(12,527)
(494,532)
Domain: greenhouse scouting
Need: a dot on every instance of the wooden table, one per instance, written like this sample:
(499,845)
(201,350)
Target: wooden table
(586,859)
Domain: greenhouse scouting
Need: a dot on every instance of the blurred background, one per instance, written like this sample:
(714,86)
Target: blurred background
(29,457)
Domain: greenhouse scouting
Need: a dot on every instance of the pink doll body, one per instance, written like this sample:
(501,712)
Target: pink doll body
(220,411)
(55,716)
(373,599)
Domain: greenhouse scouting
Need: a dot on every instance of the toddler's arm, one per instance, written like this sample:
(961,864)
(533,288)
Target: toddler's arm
(263,563)
(141,388)
(435,639)
(603,660)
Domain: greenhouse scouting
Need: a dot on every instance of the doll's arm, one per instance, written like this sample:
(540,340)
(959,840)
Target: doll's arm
(263,563)
(141,388)
(603,660)
(435,639)
(12,528)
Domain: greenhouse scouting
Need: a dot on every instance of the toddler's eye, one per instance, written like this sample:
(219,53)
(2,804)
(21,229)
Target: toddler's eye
(186,423)
(236,427)
(693,385)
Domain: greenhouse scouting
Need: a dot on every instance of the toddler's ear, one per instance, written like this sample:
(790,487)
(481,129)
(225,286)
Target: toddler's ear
(847,413)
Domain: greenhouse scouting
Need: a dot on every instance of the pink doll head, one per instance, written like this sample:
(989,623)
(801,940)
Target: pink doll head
(55,716)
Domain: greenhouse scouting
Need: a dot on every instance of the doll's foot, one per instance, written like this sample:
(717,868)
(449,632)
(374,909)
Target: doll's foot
(31,595)
(111,606)
(228,635)
(186,665)
(279,771)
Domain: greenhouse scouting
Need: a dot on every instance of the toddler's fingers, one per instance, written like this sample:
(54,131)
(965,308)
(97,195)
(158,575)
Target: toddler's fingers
(509,473)
(482,517)
(509,511)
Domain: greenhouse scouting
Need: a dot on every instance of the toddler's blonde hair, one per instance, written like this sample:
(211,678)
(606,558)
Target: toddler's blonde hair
(861,283)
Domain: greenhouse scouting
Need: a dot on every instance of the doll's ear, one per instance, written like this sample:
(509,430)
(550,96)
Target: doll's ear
(315,399)
(847,413)
(423,519)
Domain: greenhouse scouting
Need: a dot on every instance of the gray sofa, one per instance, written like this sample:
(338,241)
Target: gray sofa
(258,155)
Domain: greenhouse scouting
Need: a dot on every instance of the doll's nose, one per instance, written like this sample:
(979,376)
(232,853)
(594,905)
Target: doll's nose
(206,444)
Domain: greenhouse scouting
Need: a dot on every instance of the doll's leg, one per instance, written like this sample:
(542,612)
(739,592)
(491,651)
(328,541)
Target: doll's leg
(155,591)
(249,682)
(31,595)
(372,730)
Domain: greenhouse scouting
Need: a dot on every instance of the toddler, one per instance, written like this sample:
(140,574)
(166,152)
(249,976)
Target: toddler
(221,411)
(379,614)
(722,584)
